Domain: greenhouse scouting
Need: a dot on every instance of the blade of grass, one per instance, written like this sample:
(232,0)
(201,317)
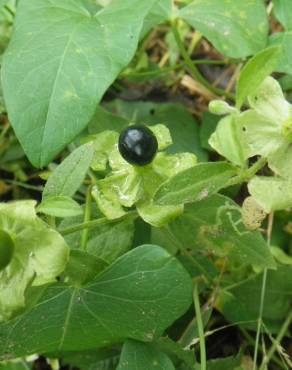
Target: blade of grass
(203,357)
(263,292)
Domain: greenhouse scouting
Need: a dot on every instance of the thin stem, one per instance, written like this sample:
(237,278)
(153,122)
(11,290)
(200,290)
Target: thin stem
(193,69)
(263,292)
(277,341)
(87,216)
(161,71)
(24,185)
(247,174)
(251,341)
(203,357)
(94,223)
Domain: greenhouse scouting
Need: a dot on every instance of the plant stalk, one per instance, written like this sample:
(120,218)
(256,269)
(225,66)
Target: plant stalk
(203,357)
(192,67)
(94,223)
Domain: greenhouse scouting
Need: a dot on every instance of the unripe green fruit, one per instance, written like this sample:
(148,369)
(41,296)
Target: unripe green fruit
(6,249)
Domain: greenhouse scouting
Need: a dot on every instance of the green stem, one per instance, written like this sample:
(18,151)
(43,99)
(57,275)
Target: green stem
(251,341)
(193,69)
(203,357)
(263,292)
(278,340)
(94,223)
(246,175)
(24,185)
(259,325)
(161,71)
(87,216)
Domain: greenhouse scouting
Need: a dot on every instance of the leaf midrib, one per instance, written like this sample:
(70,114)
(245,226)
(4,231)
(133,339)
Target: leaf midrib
(51,99)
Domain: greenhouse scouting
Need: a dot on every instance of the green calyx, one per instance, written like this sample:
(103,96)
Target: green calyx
(287,129)
(126,185)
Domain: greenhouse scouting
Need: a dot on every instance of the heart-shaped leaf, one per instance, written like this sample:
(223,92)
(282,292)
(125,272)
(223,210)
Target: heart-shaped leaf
(137,297)
(61,59)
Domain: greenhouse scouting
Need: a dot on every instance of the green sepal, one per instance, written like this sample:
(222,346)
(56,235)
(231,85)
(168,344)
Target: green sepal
(40,255)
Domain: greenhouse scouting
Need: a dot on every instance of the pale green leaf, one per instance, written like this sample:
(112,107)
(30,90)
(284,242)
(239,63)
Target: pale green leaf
(215,224)
(220,107)
(236,28)
(169,165)
(158,216)
(137,297)
(68,176)
(195,183)
(281,161)
(262,136)
(60,206)
(228,140)
(255,71)
(103,144)
(271,193)
(162,135)
(269,101)
(283,12)
(40,255)
(143,356)
(57,68)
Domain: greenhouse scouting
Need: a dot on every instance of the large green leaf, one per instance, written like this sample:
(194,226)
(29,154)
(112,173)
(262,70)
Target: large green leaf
(215,225)
(255,71)
(236,28)
(195,183)
(68,176)
(137,297)
(61,59)
(283,11)
(143,356)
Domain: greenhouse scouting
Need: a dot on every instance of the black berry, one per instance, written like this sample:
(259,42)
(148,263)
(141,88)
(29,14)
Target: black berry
(138,145)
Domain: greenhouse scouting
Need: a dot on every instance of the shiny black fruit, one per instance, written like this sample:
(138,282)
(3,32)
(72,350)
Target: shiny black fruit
(138,145)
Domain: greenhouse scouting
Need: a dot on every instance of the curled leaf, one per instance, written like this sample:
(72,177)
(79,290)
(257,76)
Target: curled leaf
(252,214)
(40,255)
